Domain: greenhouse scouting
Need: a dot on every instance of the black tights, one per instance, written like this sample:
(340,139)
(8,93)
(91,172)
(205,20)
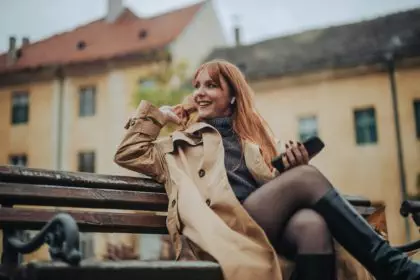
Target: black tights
(281,208)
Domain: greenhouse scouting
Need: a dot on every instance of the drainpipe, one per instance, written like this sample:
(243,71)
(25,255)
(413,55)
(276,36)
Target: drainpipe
(60,76)
(390,62)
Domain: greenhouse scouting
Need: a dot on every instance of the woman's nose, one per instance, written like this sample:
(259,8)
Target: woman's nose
(199,92)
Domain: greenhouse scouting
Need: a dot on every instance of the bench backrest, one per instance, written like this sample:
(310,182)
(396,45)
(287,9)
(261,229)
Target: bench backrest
(88,195)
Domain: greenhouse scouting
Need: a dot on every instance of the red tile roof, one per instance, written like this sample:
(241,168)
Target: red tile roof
(105,40)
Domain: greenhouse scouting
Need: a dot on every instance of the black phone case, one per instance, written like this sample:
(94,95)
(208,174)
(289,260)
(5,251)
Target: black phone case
(313,145)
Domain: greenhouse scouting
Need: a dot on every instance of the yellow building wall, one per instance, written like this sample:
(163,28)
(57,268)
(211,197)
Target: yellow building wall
(100,133)
(368,170)
(35,137)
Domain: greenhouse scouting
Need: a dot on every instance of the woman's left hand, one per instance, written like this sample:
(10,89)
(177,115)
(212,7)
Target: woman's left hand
(296,154)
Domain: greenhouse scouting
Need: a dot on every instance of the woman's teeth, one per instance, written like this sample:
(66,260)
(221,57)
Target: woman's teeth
(204,103)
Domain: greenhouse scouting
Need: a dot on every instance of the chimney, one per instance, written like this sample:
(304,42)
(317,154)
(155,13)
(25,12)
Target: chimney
(25,42)
(115,8)
(237,36)
(11,53)
(237,29)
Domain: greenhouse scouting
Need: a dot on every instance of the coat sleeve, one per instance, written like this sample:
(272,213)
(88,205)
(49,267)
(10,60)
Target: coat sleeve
(138,150)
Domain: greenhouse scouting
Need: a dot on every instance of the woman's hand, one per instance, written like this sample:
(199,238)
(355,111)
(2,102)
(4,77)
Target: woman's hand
(296,154)
(172,114)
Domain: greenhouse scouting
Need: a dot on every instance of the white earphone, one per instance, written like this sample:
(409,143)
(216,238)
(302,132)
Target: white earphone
(233,100)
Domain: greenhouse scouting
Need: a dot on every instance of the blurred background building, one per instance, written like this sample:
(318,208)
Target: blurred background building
(64,100)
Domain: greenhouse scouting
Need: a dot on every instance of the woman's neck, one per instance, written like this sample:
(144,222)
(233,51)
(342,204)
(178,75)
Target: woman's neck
(222,124)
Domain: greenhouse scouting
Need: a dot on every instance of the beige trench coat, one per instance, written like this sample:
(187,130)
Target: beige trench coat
(202,206)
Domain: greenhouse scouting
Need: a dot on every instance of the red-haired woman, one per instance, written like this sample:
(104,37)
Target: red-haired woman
(233,207)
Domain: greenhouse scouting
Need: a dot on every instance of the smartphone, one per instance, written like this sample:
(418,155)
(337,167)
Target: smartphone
(313,145)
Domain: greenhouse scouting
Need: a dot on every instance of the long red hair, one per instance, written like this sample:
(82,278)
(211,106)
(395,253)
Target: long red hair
(247,122)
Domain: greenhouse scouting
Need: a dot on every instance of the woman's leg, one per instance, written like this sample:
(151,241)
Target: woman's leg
(273,204)
(305,187)
(296,233)
(307,241)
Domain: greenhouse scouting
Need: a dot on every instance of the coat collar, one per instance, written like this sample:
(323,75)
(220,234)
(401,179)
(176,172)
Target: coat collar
(191,135)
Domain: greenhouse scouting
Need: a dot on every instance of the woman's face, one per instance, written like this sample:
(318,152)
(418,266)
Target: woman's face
(212,99)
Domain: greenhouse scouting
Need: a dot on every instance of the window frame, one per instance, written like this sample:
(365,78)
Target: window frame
(416,105)
(300,132)
(14,120)
(360,136)
(84,111)
(82,166)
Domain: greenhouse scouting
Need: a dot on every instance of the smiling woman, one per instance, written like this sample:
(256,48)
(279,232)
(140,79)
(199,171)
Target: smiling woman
(212,96)
(233,207)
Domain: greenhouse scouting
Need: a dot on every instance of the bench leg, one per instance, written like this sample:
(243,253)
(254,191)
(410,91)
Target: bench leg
(10,257)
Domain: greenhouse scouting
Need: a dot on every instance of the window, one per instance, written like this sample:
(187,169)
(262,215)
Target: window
(365,126)
(18,160)
(416,104)
(20,107)
(87,98)
(86,162)
(308,127)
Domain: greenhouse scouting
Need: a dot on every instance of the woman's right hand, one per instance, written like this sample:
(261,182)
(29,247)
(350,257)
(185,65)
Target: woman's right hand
(172,114)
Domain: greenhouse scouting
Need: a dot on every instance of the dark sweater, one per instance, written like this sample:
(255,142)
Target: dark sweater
(241,180)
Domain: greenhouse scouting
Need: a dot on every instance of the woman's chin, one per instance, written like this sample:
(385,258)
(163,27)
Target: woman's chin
(203,115)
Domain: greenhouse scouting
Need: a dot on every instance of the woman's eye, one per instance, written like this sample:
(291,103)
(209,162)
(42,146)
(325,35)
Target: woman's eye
(212,86)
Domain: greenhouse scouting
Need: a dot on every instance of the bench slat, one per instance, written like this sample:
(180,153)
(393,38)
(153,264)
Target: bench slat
(25,194)
(152,270)
(16,174)
(88,221)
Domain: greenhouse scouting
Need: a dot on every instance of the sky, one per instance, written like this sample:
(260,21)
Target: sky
(259,19)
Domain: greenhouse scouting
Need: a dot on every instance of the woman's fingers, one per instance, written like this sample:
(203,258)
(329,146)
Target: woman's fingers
(304,153)
(286,163)
(290,156)
(297,153)
(174,118)
(170,114)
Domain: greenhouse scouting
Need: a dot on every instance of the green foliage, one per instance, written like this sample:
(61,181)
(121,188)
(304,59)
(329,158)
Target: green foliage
(166,87)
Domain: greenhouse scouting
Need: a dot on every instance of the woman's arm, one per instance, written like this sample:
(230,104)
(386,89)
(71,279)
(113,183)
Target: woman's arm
(137,150)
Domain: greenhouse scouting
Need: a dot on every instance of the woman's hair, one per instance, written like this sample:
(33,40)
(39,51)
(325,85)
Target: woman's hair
(247,122)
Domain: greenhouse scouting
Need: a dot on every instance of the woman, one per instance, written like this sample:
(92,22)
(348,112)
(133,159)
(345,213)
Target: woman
(233,207)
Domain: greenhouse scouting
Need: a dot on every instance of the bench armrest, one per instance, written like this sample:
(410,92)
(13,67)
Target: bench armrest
(411,207)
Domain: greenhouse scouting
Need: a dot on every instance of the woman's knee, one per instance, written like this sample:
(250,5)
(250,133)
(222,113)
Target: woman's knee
(309,232)
(306,181)
(305,174)
(307,223)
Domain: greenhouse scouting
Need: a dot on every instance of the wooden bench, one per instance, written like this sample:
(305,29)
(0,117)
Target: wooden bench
(34,187)
(84,193)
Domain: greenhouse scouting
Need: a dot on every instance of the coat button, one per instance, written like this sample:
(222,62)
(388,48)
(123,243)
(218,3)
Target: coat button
(201,173)
(208,201)
(173,202)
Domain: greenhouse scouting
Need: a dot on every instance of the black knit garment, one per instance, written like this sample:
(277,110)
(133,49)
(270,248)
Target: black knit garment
(241,180)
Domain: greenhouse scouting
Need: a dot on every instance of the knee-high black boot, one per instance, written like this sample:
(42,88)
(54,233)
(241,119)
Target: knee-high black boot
(314,267)
(359,239)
